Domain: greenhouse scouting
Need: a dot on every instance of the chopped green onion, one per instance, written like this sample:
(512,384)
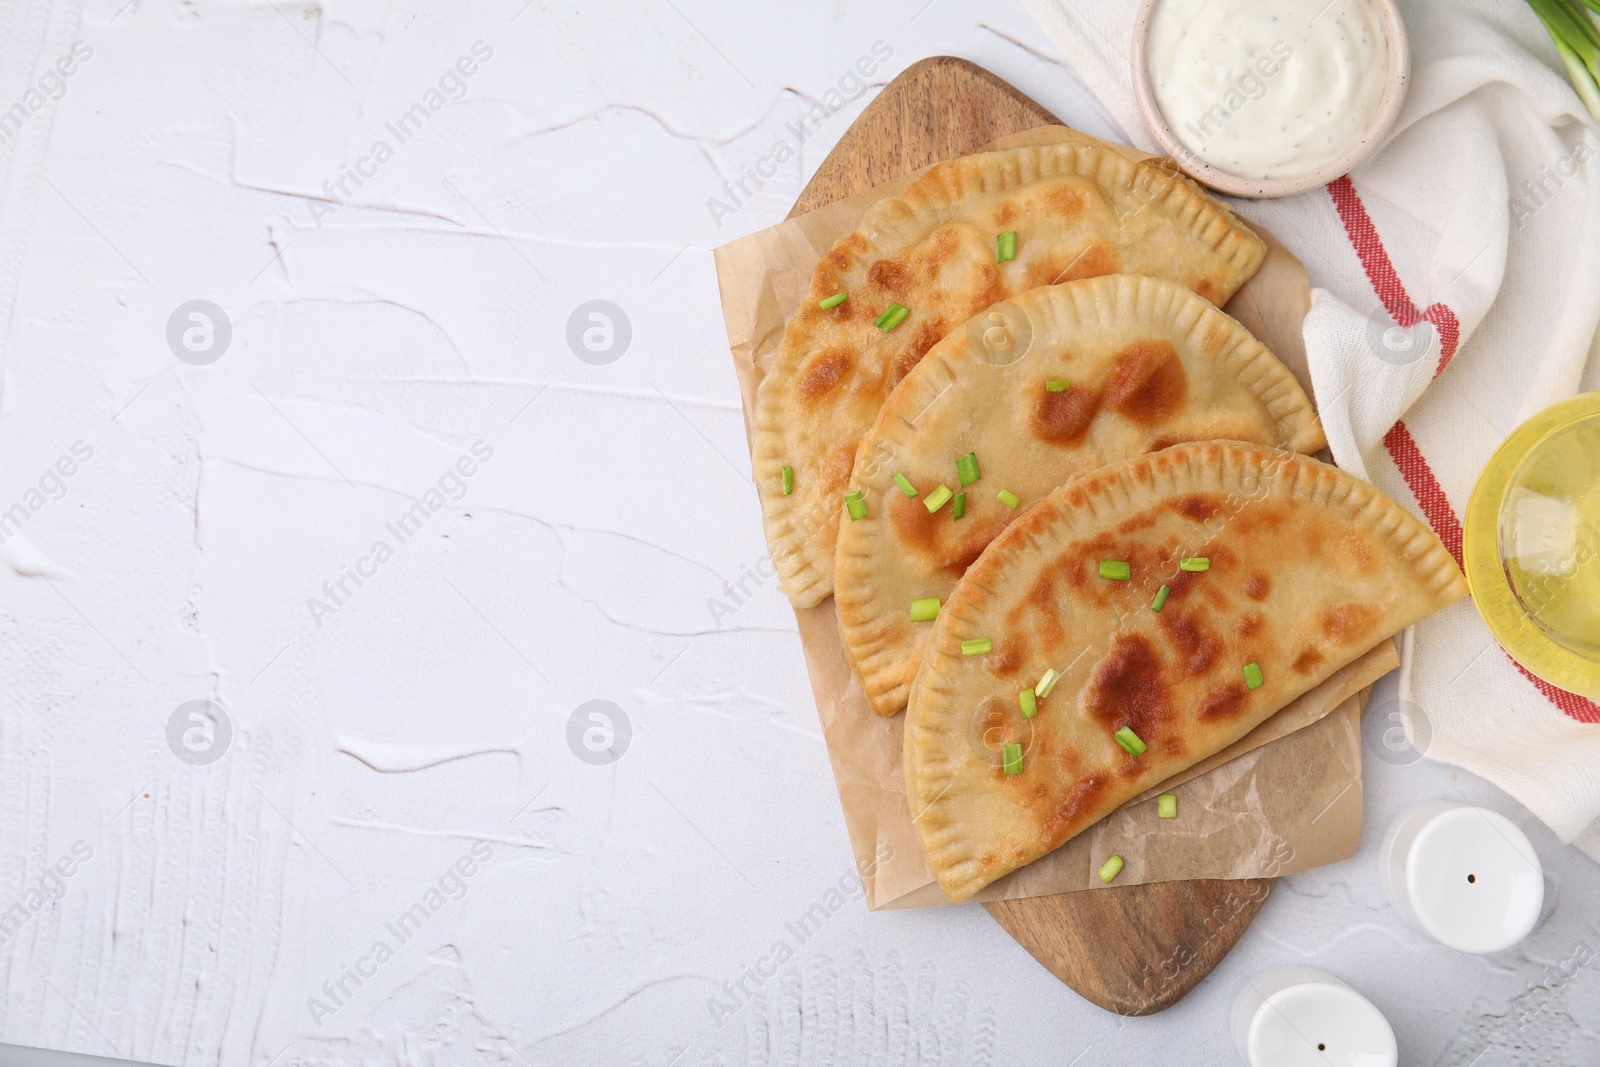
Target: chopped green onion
(1029,703)
(925,609)
(1046,683)
(961,505)
(832,301)
(967,468)
(1013,759)
(1130,741)
(978,646)
(856,505)
(1167,805)
(905,486)
(1115,569)
(1110,869)
(1252,675)
(1194,563)
(1161,598)
(937,499)
(1057,385)
(1005,247)
(788,480)
(892,316)
(1008,498)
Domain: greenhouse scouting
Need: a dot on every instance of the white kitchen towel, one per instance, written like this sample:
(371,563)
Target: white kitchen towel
(1456,290)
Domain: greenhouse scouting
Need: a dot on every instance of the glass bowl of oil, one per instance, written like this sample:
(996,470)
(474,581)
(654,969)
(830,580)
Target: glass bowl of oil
(1531,544)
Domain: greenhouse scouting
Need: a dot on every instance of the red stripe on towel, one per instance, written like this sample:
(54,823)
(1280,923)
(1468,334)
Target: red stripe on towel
(1402,447)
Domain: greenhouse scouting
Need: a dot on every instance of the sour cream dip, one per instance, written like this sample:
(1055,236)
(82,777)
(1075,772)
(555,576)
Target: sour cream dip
(1268,88)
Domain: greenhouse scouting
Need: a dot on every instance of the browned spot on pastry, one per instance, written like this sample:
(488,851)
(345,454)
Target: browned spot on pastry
(1257,586)
(927,335)
(1224,703)
(1136,523)
(1063,418)
(1192,586)
(1004,213)
(1075,808)
(839,259)
(1008,655)
(887,274)
(1348,623)
(994,289)
(1066,201)
(1127,689)
(1041,600)
(1205,287)
(1197,507)
(950,546)
(913,526)
(1216,333)
(1074,566)
(1147,382)
(1204,583)
(1197,646)
(1068,757)
(825,372)
(1354,547)
(1040,272)
(965,552)
(1308,661)
(840,464)
(944,241)
(902,365)
(1250,625)
(1254,515)
(1098,259)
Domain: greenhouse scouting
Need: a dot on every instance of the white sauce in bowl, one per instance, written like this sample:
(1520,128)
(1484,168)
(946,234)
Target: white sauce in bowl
(1268,88)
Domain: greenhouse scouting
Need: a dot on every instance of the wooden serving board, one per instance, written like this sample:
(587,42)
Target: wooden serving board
(1133,949)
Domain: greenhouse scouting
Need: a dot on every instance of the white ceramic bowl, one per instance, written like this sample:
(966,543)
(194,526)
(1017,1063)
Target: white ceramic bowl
(1388,110)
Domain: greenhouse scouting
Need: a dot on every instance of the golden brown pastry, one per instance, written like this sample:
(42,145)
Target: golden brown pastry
(924,262)
(1117,366)
(1307,568)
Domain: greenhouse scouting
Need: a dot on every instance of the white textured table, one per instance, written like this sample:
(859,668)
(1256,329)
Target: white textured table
(393,845)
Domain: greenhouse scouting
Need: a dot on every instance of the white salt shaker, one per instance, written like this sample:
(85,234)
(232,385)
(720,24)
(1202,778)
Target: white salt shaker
(1463,875)
(1302,1017)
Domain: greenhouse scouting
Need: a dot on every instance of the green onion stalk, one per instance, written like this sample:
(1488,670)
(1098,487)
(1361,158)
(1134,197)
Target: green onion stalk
(1572,28)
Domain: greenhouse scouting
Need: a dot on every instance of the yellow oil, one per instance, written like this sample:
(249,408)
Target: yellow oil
(1532,544)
